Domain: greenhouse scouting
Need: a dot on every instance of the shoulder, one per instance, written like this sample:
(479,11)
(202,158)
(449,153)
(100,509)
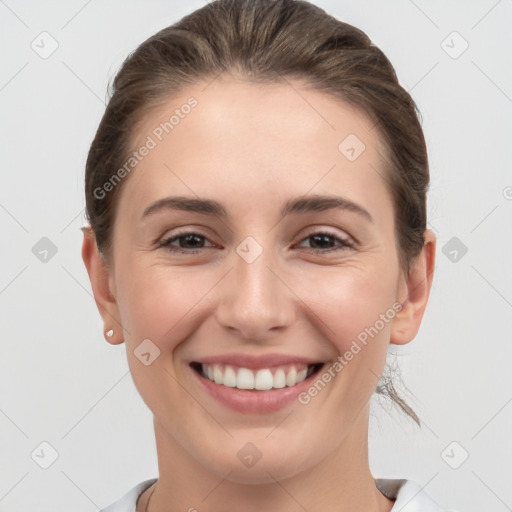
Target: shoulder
(408,495)
(128,502)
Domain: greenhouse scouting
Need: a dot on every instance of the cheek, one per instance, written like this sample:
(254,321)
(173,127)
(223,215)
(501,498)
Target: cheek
(164,304)
(355,306)
(354,311)
(159,302)
(349,301)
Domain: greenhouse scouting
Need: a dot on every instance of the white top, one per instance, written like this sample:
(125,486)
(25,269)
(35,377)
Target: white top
(408,496)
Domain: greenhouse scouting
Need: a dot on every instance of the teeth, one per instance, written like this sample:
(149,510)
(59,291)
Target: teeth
(229,377)
(279,379)
(291,377)
(217,375)
(244,379)
(261,380)
(302,375)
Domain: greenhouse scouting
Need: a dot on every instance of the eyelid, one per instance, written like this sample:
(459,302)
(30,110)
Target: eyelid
(184,232)
(343,243)
(320,229)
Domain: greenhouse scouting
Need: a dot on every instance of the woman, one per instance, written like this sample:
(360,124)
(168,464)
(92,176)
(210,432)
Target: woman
(256,193)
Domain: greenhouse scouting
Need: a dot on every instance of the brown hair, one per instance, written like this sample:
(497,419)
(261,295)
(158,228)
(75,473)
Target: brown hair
(266,41)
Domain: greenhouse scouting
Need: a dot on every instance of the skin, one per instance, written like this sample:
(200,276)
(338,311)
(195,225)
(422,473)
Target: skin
(252,147)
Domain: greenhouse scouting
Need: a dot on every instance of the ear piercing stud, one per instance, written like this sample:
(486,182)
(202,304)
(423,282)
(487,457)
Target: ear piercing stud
(110,333)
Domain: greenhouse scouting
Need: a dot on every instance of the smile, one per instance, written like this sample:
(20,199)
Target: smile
(262,379)
(254,383)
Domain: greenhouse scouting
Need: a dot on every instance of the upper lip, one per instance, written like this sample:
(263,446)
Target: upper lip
(254,362)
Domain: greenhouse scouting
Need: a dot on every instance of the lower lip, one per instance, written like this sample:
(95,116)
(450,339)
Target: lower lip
(253,401)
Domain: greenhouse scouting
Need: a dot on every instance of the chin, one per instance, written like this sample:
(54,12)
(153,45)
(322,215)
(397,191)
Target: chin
(264,465)
(263,472)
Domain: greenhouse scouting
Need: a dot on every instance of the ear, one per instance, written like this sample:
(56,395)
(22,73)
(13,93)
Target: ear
(414,291)
(103,288)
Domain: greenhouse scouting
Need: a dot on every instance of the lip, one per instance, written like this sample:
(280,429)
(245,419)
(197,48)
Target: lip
(254,401)
(255,362)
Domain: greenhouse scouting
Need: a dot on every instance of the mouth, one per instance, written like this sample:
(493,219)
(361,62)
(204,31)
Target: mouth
(256,379)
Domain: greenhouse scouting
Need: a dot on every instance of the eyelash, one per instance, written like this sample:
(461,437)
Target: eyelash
(166,243)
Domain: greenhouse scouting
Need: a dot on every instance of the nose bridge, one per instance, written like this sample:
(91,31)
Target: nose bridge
(254,300)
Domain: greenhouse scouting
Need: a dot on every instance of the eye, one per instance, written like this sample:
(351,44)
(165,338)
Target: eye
(192,242)
(188,239)
(323,240)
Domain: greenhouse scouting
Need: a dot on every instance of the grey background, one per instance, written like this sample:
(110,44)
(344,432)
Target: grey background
(63,384)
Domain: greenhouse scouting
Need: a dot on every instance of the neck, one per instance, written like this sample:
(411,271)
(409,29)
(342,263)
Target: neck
(341,482)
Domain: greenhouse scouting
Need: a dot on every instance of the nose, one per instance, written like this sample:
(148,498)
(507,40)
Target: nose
(254,299)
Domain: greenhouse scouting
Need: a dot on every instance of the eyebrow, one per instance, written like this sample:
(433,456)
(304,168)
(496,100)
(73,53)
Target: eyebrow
(304,204)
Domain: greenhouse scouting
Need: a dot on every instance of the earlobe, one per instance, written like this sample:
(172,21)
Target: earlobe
(102,287)
(414,293)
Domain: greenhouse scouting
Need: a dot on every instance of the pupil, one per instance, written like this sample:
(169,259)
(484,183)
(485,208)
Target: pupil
(190,239)
(323,238)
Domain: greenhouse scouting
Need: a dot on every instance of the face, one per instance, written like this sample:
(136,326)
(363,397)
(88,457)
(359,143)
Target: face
(290,267)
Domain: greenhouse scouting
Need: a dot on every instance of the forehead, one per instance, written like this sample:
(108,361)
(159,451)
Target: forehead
(233,138)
